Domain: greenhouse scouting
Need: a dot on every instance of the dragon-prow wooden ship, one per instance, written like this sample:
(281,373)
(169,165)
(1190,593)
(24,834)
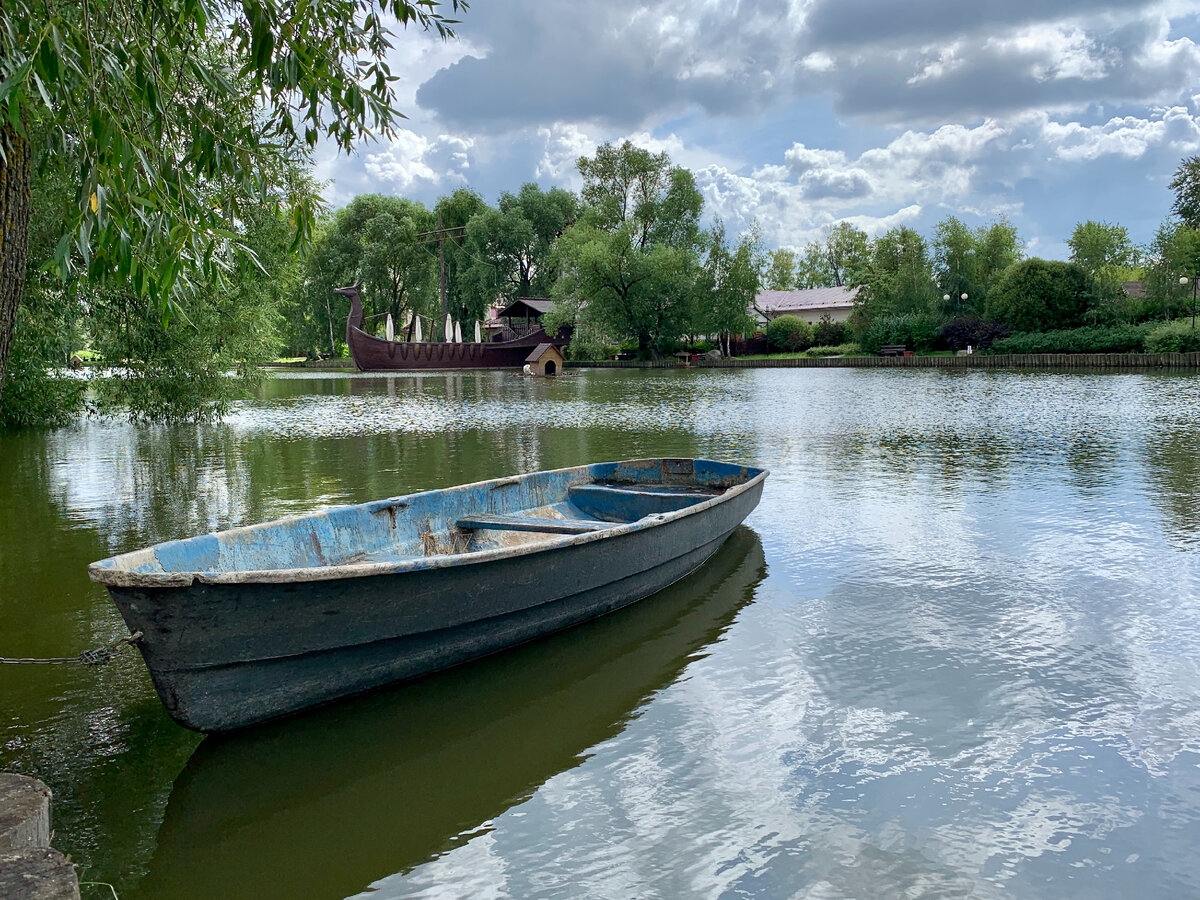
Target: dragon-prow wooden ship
(376,354)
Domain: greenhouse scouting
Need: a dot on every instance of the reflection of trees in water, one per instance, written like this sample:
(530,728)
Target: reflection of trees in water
(142,485)
(96,736)
(1173,467)
(1093,461)
(949,455)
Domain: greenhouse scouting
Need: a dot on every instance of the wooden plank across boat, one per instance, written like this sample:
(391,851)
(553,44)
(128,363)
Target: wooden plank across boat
(249,624)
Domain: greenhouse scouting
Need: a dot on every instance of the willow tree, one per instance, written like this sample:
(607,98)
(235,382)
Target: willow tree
(137,94)
(510,246)
(628,267)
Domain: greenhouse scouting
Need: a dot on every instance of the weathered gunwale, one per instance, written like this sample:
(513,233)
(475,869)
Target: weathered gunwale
(105,571)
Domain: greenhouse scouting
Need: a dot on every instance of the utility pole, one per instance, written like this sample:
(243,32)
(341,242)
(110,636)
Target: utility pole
(442,273)
(440,235)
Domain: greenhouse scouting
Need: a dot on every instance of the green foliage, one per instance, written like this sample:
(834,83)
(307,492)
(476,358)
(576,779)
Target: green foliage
(1113,339)
(1174,253)
(848,256)
(843,349)
(184,373)
(644,296)
(510,247)
(48,326)
(789,334)
(918,331)
(814,266)
(629,267)
(176,112)
(456,210)
(962,332)
(781,271)
(630,187)
(1040,295)
(204,359)
(373,238)
(1097,246)
(1106,254)
(968,261)
(1186,185)
(999,247)
(899,279)
(726,286)
(1174,337)
(34,395)
(828,332)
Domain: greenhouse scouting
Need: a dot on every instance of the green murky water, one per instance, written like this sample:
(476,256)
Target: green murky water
(955,652)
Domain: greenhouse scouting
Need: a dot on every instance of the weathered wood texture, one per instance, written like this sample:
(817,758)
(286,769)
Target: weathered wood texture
(16,199)
(253,623)
(37,874)
(24,813)
(29,869)
(1136,361)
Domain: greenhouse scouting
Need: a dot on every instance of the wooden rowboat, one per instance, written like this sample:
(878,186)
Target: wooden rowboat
(249,624)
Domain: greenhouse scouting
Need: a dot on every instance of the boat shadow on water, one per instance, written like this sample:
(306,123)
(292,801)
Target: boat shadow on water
(324,804)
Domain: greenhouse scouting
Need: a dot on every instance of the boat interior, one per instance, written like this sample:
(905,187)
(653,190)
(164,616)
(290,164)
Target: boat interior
(523,510)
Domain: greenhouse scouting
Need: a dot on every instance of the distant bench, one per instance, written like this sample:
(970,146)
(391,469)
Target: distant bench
(893,350)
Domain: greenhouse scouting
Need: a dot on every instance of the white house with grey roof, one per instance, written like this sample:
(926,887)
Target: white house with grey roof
(810,305)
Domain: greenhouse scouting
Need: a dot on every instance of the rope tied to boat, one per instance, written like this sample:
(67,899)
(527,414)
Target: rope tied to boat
(97,656)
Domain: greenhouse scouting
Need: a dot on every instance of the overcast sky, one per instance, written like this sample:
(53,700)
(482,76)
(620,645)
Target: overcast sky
(801,114)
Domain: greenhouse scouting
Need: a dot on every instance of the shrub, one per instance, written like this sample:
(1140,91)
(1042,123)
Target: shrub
(1040,295)
(915,330)
(971,331)
(1173,337)
(828,333)
(1115,339)
(35,397)
(838,350)
(789,334)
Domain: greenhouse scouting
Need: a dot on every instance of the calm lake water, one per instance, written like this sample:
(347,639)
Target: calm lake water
(955,652)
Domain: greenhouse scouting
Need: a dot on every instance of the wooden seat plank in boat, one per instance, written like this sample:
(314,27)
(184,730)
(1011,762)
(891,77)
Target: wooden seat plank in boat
(532,523)
(628,503)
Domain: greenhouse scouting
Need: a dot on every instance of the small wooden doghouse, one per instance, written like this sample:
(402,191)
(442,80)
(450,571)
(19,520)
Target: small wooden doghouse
(546,359)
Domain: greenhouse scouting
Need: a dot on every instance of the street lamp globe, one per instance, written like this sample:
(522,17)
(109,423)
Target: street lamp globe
(964,296)
(946,297)
(1183,279)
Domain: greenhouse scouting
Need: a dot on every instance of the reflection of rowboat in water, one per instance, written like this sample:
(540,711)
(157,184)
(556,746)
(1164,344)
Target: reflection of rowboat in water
(323,805)
(373,354)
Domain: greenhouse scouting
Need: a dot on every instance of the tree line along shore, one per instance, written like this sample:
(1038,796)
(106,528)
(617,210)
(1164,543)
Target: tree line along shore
(163,219)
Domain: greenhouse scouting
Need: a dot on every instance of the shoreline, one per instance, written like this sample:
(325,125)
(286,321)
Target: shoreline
(1127,361)
(1137,361)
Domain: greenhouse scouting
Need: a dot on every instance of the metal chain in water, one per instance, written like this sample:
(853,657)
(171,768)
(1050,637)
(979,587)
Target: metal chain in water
(95,657)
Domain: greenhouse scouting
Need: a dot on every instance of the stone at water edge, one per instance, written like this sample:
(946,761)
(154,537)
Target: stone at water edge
(29,869)
(24,813)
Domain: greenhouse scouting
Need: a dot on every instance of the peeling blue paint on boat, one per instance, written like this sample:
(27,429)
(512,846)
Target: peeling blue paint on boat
(256,622)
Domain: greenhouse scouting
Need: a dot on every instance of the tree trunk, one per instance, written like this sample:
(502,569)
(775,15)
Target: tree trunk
(16,201)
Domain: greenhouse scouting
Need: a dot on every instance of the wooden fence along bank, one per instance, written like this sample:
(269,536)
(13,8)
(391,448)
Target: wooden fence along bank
(1140,361)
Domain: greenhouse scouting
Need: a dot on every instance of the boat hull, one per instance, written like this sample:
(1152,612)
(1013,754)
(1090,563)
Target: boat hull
(372,354)
(225,655)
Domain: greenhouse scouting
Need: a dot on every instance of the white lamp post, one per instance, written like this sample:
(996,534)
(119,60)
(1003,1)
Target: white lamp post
(1183,279)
